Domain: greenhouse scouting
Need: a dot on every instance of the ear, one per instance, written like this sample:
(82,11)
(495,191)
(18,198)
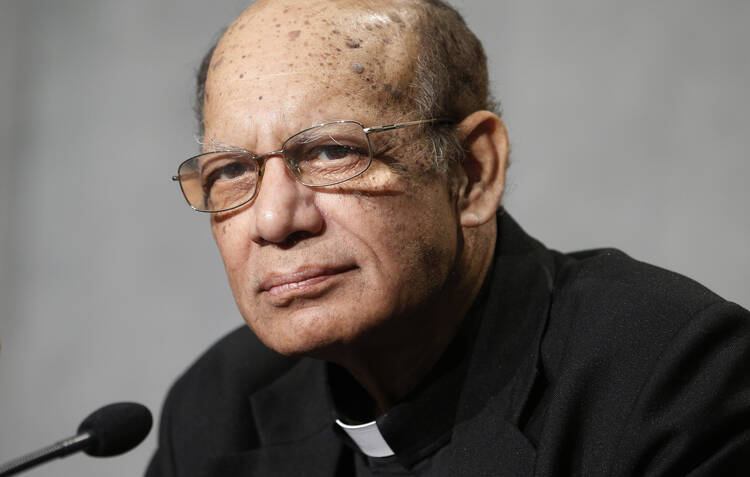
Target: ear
(486,144)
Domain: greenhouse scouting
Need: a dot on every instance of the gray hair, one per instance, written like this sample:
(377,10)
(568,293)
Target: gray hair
(450,78)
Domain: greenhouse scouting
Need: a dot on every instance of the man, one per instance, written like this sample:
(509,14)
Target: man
(354,172)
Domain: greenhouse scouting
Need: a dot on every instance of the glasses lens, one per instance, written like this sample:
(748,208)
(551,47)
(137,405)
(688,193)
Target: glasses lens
(218,180)
(328,154)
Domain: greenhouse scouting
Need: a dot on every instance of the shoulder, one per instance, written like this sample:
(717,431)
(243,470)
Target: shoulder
(610,308)
(611,276)
(608,298)
(211,399)
(634,354)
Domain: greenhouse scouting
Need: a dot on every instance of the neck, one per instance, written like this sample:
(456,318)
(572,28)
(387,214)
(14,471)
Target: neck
(391,362)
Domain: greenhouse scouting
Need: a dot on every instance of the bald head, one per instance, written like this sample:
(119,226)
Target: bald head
(416,57)
(331,43)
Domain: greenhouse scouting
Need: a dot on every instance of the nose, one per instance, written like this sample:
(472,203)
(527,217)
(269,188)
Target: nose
(283,210)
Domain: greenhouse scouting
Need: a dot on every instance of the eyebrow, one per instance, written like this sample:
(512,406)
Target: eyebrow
(214,145)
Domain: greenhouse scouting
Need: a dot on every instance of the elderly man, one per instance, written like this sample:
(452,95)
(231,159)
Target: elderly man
(353,171)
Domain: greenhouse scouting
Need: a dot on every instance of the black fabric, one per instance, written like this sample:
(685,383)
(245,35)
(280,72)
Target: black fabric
(422,422)
(582,364)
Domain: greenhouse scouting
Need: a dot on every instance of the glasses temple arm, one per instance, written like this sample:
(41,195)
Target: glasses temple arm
(389,127)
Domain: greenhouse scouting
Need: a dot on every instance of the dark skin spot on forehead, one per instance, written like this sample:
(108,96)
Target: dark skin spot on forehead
(335,32)
(294,34)
(260,98)
(242,75)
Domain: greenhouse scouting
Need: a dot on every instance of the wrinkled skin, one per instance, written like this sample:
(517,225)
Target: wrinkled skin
(369,273)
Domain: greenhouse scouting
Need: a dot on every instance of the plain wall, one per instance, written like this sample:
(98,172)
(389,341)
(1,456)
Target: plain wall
(628,123)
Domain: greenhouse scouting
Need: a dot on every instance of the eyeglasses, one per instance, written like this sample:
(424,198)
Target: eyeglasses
(319,156)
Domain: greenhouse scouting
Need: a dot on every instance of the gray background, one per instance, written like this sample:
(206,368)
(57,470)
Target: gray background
(629,126)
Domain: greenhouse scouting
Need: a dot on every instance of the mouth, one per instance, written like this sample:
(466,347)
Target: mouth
(306,282)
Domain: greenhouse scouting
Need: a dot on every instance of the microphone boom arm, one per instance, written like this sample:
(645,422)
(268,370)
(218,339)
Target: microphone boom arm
(58,449)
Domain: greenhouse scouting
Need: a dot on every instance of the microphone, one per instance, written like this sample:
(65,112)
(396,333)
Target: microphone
(109,431)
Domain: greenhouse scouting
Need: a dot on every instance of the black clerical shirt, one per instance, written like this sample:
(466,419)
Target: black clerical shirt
(581,364)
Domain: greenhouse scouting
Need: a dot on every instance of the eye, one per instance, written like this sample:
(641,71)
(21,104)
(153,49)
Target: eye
(329,153)
(232,170)
(225,172)
(332,152)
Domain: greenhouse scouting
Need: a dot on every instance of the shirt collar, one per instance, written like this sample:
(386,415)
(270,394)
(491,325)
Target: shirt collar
(368,438)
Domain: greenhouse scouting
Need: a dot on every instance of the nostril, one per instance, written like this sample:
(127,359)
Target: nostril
(293,239)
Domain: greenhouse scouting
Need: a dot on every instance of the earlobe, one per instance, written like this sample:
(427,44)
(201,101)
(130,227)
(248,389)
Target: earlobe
(485,141)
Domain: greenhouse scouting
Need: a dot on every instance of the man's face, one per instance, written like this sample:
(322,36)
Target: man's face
(313,269)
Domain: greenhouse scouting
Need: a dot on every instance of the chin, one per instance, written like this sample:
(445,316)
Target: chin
(308,332)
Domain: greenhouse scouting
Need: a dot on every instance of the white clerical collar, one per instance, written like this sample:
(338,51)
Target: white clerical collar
(368,438)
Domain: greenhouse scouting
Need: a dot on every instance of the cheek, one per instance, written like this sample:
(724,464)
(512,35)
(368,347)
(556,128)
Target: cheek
(230,240)
(409,238)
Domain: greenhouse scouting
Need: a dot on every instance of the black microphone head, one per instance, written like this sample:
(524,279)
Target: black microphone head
(116,428)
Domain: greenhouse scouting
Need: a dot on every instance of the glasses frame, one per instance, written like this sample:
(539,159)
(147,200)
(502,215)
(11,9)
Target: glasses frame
(260,160)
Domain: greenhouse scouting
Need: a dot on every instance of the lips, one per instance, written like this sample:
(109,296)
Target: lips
(301,281)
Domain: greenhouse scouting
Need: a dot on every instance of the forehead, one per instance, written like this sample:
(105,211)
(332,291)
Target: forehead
(309,60)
